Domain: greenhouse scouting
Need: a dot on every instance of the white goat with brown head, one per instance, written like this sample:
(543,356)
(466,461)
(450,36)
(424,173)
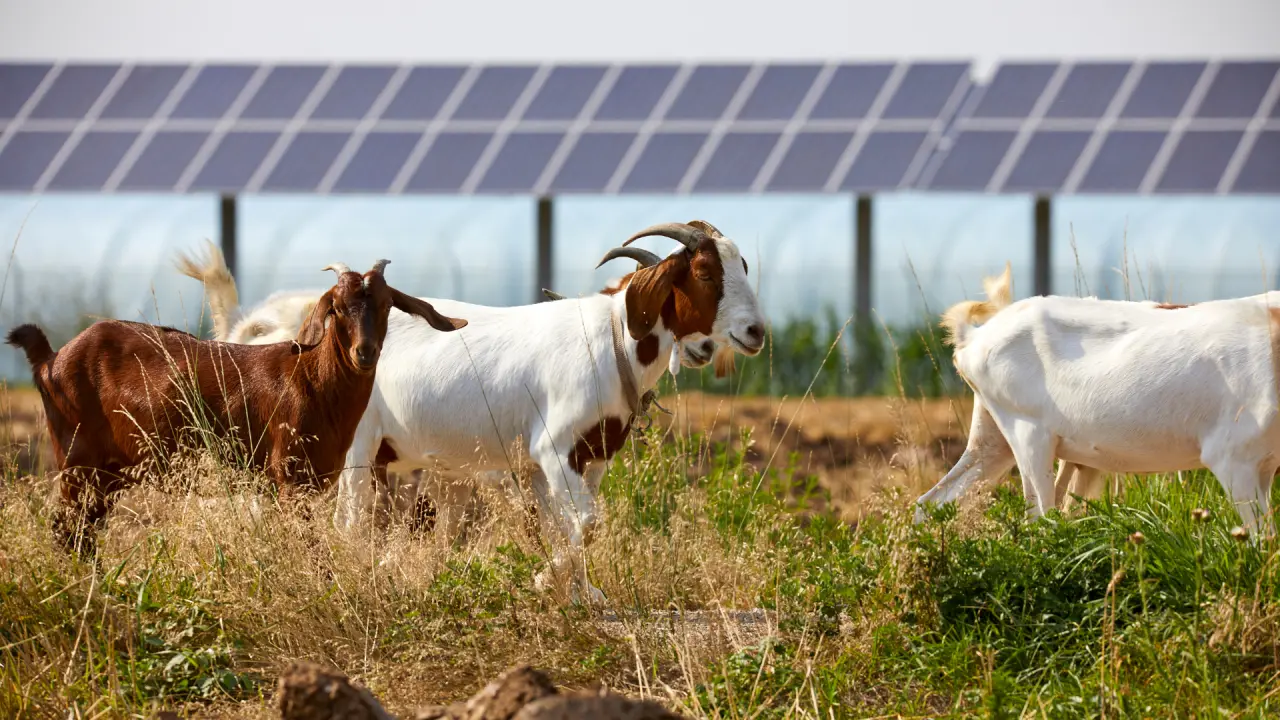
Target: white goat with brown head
(557,384)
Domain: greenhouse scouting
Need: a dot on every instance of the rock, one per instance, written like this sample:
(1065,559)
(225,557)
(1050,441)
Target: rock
(603,705)
(309,692)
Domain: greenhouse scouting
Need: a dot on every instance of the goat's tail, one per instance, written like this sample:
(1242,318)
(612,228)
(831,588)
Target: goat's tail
(219,287)
(33,342)
(961,317)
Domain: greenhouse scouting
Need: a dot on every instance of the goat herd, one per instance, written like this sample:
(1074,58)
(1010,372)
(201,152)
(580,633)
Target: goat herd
(314,385)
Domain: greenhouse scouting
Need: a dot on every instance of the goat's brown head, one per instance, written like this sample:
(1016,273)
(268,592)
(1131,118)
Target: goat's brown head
(700,292)
(359,305)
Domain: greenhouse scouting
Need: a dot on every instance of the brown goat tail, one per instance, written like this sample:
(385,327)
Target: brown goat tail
(33,342)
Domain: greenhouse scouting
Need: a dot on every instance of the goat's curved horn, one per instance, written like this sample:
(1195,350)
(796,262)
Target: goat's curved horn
(551,294)
(338,268)
(380,266)
(684,234)
(640,255)
(706,227)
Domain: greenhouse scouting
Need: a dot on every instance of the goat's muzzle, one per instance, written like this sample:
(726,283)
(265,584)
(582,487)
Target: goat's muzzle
(365,356)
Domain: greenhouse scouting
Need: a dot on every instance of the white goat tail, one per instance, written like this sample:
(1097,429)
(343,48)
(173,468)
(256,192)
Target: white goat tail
(959,318)
(219,286)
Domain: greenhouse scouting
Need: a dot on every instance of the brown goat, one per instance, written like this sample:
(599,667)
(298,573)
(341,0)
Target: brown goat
(120,392)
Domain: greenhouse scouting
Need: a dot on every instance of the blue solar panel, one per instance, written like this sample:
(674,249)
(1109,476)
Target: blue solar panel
(778,94)
(213,92)
(972,160)
(664,161)
(1199,161)
(925,90)
(592,161)
(143,91)
(927,100)
(1261,171)
(1237,89)
(636,92)
(163,161)
(353,92)
(25,158)
(17,82)
(565,92)
(520,162)
(92,161)
(449,161)
(494,92)
(707,92)
(376,162)
(74,91)
(1162,90)
(234,161)
(305,161)
(883,160)
(851,92)
(1122,161)
(423,93)
(1088,90)
(809,161)
(1014,91)
(736,161)
(283,92)
(1047,160)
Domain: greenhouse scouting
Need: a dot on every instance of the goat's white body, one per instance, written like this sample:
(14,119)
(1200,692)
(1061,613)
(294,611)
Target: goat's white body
(1126,387)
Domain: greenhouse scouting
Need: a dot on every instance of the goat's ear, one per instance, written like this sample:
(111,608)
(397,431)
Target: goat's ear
(648,292)
(312,331)
(423,309)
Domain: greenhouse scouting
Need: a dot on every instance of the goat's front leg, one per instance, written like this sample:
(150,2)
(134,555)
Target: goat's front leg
(356,488)
(570,507)
(986,455)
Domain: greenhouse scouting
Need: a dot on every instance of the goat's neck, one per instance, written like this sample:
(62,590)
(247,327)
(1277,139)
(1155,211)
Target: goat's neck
(646,375)
(332,378)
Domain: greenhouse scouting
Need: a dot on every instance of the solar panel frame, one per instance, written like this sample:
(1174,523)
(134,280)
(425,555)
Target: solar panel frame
(26,157)
(18,83)
(1199,160)
(75,90)
(164,159)
(305,161)
(215,89)
(92,161)
(972,160)
(1261,170)
(353,92)
(283,92)
(779,92)
(578,174)
(143,91)
(1238,89)
(1015,90)
(565,92)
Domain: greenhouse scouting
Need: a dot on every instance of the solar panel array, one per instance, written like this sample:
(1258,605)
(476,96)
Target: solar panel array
(1056,127)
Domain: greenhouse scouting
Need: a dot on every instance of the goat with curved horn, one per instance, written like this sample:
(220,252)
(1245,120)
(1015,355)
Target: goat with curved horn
(380,266)
(683,233)
(640,255)
(338,268)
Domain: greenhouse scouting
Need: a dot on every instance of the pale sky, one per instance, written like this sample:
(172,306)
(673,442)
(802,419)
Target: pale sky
(595,30)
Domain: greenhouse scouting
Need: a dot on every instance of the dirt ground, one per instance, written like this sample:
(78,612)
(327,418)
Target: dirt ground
(853,445)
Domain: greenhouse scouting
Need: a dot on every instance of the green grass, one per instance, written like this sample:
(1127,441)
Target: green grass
(976,613)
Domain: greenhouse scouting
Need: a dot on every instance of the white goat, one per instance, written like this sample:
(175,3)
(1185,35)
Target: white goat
(1131,387)
(558,384)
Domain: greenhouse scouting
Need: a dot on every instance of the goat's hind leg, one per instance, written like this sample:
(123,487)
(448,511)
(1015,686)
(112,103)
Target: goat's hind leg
(1248,483)
(86,499)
